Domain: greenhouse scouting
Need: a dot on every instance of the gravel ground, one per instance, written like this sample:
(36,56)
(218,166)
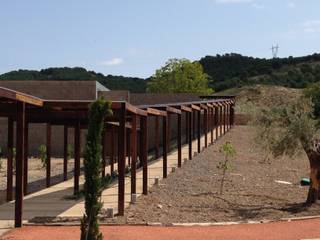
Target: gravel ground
(36,174)
(251,192)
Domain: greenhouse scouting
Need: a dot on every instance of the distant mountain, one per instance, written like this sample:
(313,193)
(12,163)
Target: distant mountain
(112,82)
(226,71)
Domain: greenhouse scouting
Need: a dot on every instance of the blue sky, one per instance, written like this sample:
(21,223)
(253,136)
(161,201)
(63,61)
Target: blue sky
(135,37)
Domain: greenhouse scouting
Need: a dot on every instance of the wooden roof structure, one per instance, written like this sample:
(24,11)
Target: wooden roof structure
(22,109)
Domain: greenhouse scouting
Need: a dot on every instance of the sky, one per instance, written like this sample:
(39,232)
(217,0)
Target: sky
(136,37)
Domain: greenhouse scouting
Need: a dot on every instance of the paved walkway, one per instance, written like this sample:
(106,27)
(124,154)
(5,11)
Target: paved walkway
(295,230)
(51,201)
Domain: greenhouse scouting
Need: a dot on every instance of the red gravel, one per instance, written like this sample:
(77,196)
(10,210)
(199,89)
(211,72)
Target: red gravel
(306,229)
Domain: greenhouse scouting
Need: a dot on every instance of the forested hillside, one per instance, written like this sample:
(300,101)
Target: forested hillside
(234,70)
(77,73)
(225,71)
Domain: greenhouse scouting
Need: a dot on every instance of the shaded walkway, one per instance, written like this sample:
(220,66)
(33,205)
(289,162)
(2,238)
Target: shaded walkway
(51,201)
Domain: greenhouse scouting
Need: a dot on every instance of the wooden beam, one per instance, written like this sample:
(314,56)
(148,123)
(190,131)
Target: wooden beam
(156,112)
(10,160)
(144,147)
(185,109)
(77,152)
(48,152)
(189,115)
(203,106)
(133,153)
(157,136)
(25,159)
(211,121)
(112,145)
(179,141)
(216,121)
(199,130)
(19,163)
(165,145)
(65,153)
(195,107)
(121,159)
(205,123)
(104,150)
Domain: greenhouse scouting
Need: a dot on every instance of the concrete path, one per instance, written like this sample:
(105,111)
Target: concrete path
(295,230)
(51,201)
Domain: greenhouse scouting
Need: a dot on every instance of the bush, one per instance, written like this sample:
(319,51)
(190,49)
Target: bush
(43,155)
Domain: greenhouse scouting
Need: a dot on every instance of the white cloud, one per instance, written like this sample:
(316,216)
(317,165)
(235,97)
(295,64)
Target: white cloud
(312,26)
(234,1)
(252,3)
(112,62)
(291,5)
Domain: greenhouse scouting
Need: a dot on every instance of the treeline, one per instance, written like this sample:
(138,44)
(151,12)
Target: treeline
(112,82)
(235,70)
(225,71)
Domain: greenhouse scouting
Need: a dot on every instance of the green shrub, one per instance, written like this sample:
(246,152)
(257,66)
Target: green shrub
(43,155)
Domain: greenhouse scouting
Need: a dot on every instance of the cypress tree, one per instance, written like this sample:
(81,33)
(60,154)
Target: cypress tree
(92,170)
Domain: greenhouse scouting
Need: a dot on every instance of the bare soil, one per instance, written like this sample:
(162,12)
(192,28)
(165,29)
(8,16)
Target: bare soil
(36,174)
(251,192)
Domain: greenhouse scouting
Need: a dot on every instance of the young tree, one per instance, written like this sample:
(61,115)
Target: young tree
(288,129)
(92,170)
(180,76)
(228,151)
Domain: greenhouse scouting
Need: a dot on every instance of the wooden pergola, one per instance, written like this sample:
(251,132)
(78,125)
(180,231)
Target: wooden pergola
(131,124)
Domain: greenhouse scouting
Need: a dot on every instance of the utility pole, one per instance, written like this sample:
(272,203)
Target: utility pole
(275,50)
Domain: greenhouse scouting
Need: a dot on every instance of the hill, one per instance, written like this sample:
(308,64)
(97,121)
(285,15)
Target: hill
(251,98)
(132,84)
(235,70)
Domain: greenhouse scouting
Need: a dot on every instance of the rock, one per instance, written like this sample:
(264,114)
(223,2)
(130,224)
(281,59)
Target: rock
(159,206)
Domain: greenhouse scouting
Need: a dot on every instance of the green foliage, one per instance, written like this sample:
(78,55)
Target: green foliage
(282,129)
(313,92)
(43,155)
(69,151)
(235,70)
(92,170)
(179,76)
(228,151)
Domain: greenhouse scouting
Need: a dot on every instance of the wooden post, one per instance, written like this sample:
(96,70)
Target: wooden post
(179,141)
(112,150)
(157,136)
(77,152)
(224,119)
(205,123)
(194,125)
(121,158)
(128,147)
(19,163)
(199,131)
(216,121)
(187,128)
(211,124)
(65,153)
(189,122)
(169,133)
(220,120)
(25,159)
(10,160)
(48,152)
(103,145)
(133,153)
(232,115)
(144,147)
(165,145)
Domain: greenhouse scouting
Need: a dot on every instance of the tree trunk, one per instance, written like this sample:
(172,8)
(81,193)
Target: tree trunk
(314,189)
